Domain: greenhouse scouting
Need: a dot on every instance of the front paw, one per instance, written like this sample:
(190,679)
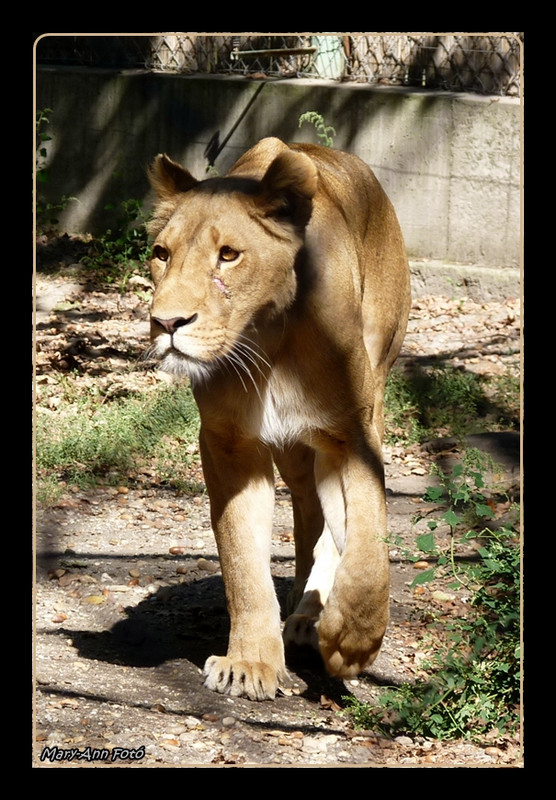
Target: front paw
(348,645)
(252,679)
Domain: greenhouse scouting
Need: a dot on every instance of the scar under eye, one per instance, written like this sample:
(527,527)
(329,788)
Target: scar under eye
(220,284)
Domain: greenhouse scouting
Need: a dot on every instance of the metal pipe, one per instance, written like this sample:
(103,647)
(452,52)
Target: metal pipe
(290,51)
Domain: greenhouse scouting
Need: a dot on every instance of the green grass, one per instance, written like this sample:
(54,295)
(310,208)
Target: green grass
(91,437)
(86,441)
(444,401)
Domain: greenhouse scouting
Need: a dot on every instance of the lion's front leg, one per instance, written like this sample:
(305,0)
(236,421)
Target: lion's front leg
(239,480)
(354,619)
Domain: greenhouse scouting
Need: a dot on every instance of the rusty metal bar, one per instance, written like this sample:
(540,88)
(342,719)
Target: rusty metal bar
(288,51)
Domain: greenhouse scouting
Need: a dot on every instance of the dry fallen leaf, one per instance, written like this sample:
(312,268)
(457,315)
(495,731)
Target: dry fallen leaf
(95,599)
(327,702)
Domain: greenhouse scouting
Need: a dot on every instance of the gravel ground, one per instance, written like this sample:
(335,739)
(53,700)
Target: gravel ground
(128,597)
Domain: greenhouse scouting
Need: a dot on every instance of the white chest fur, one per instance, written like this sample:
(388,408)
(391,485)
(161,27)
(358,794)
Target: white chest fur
(287,412)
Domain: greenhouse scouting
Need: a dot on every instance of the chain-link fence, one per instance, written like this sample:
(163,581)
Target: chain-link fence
(486,63)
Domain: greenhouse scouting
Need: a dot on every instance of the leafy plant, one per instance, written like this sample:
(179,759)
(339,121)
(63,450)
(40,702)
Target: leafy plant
(42,137)
(448,396)
(474,685)
(123,251)
(324,132)
(466,501)
(47,213)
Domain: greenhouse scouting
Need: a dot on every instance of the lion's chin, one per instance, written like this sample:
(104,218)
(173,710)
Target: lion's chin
(175,363)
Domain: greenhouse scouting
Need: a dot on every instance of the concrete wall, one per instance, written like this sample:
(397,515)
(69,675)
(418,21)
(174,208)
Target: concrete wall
(451,163)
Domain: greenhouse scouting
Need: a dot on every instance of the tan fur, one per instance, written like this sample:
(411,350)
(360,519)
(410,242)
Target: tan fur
(282,290)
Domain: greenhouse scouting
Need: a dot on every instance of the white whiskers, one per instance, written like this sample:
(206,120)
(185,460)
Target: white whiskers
(245,358)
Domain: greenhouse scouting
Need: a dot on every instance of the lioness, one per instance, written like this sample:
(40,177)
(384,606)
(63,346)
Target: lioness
(282,291)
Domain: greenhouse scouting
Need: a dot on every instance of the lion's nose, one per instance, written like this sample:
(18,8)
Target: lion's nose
(171,325)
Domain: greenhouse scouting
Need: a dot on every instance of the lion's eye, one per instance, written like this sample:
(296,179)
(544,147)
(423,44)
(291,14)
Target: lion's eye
(160,252)
(228,253)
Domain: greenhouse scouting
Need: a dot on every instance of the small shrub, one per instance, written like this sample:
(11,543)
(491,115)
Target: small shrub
(123,251)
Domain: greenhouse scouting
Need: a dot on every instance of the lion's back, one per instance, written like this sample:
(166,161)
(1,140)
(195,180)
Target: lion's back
(350,188)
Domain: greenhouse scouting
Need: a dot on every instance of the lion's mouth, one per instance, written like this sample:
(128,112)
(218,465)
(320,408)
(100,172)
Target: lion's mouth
(238,354)
(174,359)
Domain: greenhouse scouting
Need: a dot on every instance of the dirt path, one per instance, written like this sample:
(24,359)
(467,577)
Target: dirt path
(129,600)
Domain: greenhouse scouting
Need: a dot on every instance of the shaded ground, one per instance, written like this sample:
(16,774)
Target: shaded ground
(129,600)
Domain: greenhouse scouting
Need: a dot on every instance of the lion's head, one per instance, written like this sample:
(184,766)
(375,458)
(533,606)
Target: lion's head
(224,256)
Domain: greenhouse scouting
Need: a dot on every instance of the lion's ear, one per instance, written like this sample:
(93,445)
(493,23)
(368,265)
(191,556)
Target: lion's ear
(169,178)
(288,187)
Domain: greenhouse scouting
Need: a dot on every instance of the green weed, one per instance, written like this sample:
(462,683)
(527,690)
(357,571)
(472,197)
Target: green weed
(42,119)
(403,417)
(324,132)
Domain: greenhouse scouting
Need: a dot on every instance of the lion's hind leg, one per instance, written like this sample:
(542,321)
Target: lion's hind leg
(300,631)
